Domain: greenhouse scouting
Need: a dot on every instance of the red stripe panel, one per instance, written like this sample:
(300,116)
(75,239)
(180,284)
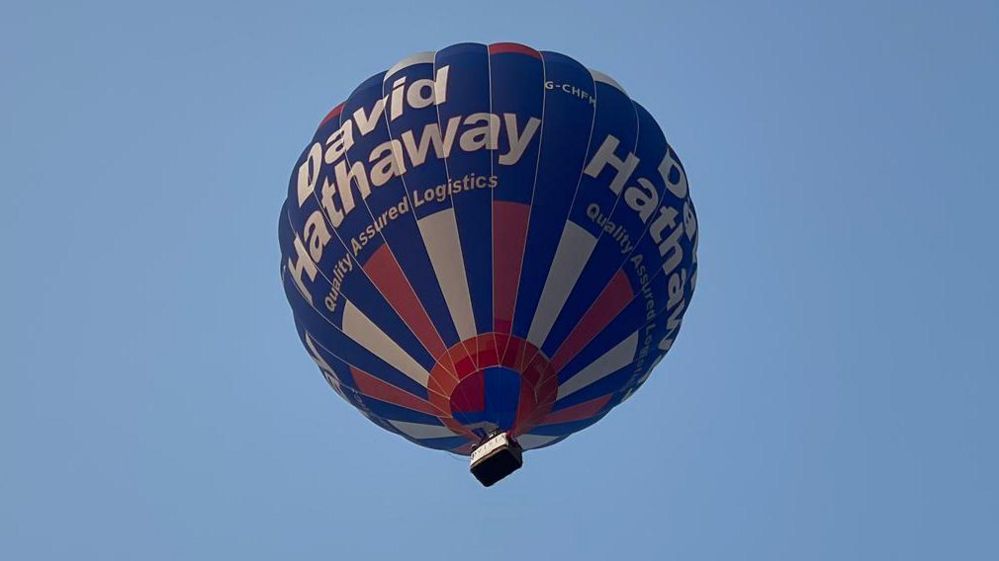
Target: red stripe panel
(385,273)
(509,235)
(335,112)
(472,346)
(470,395)
(615,296)
(539,389)
(488,351)
(383,391)
(465,367)
(499,48)
(447,364)
(579,412)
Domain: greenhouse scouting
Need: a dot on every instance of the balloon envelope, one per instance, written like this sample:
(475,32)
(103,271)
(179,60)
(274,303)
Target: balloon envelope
(487,238)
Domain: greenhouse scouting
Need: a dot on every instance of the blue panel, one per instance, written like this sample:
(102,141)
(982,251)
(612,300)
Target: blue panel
(502,396)
(600,211)
(517,90)
(568,121)
(470,171)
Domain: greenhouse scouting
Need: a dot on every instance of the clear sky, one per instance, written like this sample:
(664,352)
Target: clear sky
(832,394)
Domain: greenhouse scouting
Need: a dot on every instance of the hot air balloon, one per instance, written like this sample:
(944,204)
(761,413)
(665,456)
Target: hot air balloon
(487,248)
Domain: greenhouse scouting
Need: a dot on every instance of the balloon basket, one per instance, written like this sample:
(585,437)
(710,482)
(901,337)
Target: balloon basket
(496,458)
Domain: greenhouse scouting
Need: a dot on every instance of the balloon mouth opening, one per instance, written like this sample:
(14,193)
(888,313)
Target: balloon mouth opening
(493,383)
(486,400)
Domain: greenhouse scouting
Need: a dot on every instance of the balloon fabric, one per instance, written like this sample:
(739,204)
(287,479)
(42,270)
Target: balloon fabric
(486,239)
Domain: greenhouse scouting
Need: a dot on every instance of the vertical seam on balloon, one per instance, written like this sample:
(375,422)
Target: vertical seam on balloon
(381,234)
(351,256)
(572,384)
(457,234)
(651,277)
(339,329)
(388,127)
(568,216)
(447,175)
(492,207)
(327,320)
(534,186)
(360,405)
(589,140)
(634,377)
(405,188)
(617,200)
(348,251)
(432,409)
(602,231)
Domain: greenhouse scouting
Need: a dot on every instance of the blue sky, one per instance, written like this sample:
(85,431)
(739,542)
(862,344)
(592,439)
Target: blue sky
(832,394)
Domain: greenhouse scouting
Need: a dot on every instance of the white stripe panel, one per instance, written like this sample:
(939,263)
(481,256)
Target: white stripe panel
(421,431)
(573,251)
(358,327)
(418,58)
(440,235)
(612,361)
(601,77)
(528,441)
